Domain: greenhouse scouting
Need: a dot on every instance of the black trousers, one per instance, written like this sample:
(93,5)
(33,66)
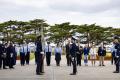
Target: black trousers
(2,62)
(22,59)
(39,63)
(11,62)
(79,57)
(27,58)
(58,58)
(117,61)
(74,65)
(68,60)
(48,58)
(35,57)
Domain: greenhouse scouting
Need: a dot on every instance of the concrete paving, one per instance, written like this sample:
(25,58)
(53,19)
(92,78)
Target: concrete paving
(53,72)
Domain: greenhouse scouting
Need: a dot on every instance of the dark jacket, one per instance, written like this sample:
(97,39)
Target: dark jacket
(10,51)
(101,51)
(86,51)
(38,46)
(117,47)
(67,49)
(73,50)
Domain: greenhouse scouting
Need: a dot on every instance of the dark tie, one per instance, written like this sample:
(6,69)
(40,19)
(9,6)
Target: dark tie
(48,47)
(23,49)
(27,48)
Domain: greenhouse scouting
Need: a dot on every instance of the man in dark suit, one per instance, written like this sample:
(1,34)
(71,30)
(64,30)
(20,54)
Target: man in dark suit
(39,67)
(101,54)
(2,56)
(73,50)
(68,54)
(79,55)
(117,55)
(10,54)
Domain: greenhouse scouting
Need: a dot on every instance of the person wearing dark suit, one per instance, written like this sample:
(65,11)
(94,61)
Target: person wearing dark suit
(79,55)
(2,57)
(39,56)
(101,54)
(117,55)
(68,54)
(73,53)
(10,54)
(15,54)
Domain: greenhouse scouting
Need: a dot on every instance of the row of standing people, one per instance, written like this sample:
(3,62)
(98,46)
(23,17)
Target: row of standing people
(8,56)
(86,51)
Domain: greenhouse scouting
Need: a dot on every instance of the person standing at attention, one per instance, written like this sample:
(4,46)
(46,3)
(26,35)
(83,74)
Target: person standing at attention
(48,51)
(58,53)
(93,55)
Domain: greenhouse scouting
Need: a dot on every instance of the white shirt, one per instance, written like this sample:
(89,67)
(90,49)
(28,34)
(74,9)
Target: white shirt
(93,51)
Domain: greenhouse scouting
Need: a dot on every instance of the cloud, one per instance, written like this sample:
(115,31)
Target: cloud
(84,6)
(103,12)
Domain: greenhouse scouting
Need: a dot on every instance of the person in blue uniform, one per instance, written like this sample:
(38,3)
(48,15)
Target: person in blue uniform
(22,54)
(101,54)
(73,53)
(10,54)
(117,55)
(68,53)
(112,53)
(27,53)
(39,56)
(48,51)
(58,53)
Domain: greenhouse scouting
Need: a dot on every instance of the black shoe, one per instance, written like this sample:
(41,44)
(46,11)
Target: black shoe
(116,72)
(103,65)
(42,72)
(73,74)
(5,68)
(12,68)
(39,74)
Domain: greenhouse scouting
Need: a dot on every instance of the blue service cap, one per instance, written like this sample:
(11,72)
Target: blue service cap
(116,37)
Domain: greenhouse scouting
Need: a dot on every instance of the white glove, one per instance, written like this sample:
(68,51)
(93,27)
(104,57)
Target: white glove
(11,55)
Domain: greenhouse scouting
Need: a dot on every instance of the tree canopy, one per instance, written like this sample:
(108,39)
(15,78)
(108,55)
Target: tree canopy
(18,31)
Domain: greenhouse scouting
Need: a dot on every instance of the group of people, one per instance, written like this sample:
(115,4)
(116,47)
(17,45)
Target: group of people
(8,56)
(74,54)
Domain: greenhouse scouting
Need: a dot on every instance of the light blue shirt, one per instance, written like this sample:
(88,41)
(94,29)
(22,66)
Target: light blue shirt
(58,50)
(113,48)
(24,49)
(46,49)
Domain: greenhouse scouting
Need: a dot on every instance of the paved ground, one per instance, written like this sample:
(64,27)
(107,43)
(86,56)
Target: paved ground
(60,73)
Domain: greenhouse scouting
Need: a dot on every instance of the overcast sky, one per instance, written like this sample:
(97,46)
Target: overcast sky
(101,12)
